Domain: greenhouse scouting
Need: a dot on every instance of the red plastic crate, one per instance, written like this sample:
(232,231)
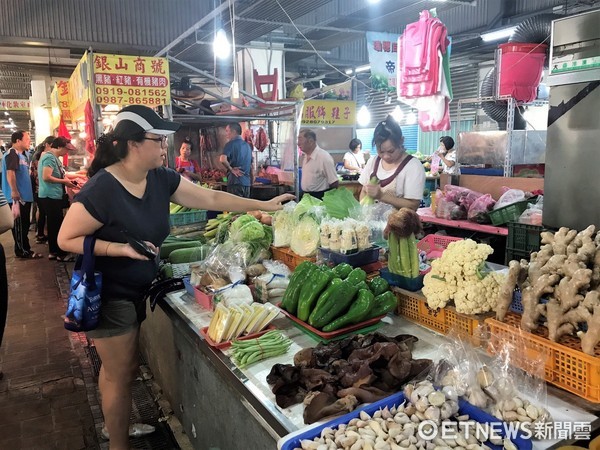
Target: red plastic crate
(435,243)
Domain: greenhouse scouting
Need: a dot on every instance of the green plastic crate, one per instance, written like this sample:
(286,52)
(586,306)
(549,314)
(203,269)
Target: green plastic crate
(512,254)
(187,218)
(508,213)
(524,237)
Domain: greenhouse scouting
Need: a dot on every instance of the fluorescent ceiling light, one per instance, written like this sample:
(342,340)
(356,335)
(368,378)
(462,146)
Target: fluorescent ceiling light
(349,71)
(373,1)
(364,116)
(363,68)
(498,34)
(221,46)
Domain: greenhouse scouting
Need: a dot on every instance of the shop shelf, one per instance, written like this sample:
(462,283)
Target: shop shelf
(357,259)
(288,257)
(293,441)
(566,365)
(524,237)
(508,213)
(187,218)
(413,306)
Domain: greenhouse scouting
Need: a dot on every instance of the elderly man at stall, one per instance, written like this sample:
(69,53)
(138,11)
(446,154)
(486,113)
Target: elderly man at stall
(318,168)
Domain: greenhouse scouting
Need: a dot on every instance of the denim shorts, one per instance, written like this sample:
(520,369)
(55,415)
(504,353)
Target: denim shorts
(118,316)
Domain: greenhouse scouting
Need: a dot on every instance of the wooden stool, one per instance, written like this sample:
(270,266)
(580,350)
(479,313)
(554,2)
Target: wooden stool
(260,80)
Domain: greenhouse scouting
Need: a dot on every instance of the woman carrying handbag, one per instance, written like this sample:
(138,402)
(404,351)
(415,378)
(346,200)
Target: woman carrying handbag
(130,190)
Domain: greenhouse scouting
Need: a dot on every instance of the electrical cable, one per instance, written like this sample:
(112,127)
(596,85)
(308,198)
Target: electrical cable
(318,54)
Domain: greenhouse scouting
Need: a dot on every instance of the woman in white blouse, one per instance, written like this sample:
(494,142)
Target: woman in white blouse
(354,160)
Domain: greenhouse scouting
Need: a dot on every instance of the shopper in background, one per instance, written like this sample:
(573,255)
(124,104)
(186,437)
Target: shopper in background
(237,159)
(354,160)
(189,168)
(129,189)
(401,176)
(16,185)
(52,195)
(38,215)
(318,168)
(447,154)
(6,223)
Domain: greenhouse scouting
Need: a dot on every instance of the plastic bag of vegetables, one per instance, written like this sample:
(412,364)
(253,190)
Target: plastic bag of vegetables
(305,237)
(283,225)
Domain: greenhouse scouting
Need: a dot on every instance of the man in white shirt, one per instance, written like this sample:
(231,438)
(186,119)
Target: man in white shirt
(318,168)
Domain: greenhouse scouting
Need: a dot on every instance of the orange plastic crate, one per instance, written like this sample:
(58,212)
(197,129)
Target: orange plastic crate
(566,365)
(288,257)
(413,306)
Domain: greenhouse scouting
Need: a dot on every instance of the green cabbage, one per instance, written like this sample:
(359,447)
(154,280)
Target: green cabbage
(339,203)
(305,237)
(246,228)
(305,205)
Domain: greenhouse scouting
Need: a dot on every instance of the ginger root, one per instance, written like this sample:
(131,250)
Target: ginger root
(515,268)
(530,298)
(591,337)
(559,240)
(567,292)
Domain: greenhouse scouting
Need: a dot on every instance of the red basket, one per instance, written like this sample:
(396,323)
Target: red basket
(435,243)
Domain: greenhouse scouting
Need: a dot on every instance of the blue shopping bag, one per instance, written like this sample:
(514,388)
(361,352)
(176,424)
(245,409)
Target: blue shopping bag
(83,308)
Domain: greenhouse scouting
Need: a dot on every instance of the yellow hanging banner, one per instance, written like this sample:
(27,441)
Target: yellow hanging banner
(131,80)
(329,113)
(79,88)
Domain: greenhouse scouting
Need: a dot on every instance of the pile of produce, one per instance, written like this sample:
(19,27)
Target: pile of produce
(345,236)
(333,298)
(270,344)
(460,275)
(334,378)
(298,225)
(403,258)
(560,283)
(211,174)
(231,322)
(174,208)
(216,229)
(402,427)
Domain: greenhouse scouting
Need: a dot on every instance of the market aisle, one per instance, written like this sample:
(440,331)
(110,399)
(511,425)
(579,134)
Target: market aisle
(43,399)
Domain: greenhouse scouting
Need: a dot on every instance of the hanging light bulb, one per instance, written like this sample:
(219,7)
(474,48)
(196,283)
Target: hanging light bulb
(397,114)
(411,119)
(221,46)
(363,117)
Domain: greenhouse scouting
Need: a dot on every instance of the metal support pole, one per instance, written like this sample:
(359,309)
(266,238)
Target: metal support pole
(168,110)
(297,123)
(510,121)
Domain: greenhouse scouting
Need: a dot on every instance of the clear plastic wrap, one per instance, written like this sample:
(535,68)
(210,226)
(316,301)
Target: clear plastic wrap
(509,197)
(376,217)
(494,383)
(283,225)
(533,214)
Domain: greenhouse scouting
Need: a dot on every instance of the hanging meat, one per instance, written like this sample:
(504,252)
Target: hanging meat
(248,136)
(261,141)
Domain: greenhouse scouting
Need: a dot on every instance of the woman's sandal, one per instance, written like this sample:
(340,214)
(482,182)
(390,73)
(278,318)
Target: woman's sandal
(51,256)
(66,258)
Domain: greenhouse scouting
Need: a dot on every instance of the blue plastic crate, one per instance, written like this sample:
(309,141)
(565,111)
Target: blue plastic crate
(395,400)
(358,259)
(410,284)
(188,286)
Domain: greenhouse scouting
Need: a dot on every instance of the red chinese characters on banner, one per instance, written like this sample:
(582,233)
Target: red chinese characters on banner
(14,105)
(125,80)
(385,46)
(131,80)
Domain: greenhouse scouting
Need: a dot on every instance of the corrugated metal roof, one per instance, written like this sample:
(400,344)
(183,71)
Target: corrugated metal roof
(527,6)
(134,23)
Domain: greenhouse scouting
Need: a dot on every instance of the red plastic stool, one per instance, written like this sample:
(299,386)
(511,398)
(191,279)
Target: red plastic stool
(260,80)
